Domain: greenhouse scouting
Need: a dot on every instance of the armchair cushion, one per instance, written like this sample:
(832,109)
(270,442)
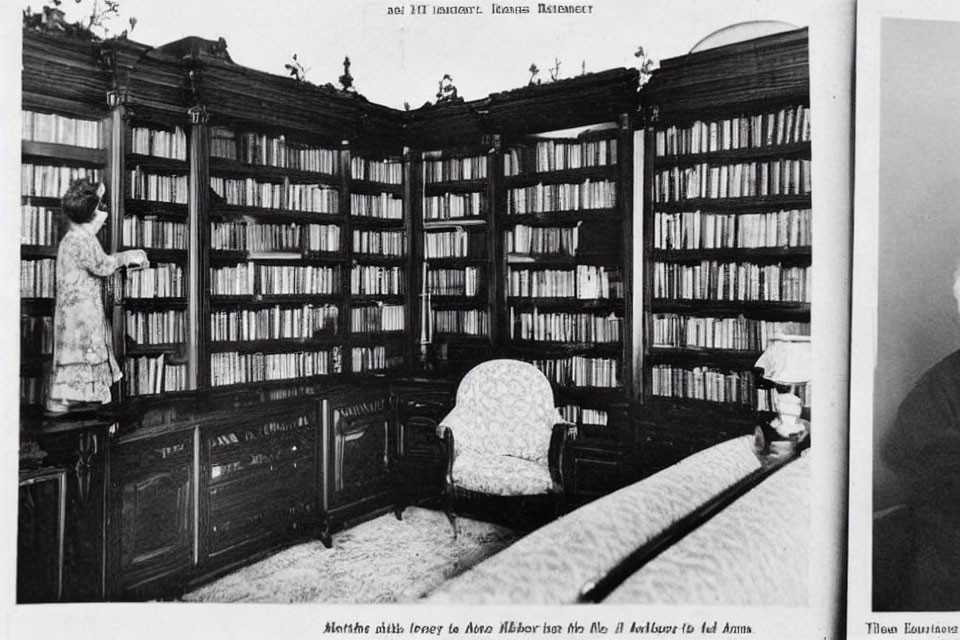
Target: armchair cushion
(501,475)
(504,407)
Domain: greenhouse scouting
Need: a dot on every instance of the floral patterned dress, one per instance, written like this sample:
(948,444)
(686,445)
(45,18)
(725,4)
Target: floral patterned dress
(84,367)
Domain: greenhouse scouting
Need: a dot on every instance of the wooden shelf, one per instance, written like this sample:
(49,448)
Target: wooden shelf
(37,251)
(458,302)
(720,358)
(60,154)
(765,152)
(563,176)
(155,303)
(133,349)
(367,258)
(162,255)
(222,210)
(367,298)
(762,254)
(37,306)
(455,186)
(558,218)
(447,223)
(576,304)
(41,201)
(270,300)
(378,223)
(751,204)
(456,262)
(141,208)
(787,310)
(156,163)
(282,345)
(369,187)
(222,167)
(537,347)
(612,259)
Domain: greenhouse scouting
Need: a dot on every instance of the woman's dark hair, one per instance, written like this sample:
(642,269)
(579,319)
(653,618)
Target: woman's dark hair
(81,200)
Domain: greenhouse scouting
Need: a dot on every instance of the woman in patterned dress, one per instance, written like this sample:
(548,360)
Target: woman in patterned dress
(84,367)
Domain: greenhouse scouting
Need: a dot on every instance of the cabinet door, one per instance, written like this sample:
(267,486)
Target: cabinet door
(153,485)
(40,537)
(361,458)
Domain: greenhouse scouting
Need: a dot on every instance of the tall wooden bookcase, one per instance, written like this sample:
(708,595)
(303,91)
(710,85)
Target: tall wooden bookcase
(309,245)
(727,238)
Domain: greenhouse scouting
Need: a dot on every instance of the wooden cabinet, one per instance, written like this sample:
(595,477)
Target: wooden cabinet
(259,483)
(40,535)
(361,447)
(153,512)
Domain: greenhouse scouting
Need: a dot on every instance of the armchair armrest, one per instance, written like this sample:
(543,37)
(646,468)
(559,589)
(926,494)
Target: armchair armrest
(446,433)
(559,454)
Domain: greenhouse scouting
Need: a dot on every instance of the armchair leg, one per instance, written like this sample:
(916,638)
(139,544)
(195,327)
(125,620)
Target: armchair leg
(448,510)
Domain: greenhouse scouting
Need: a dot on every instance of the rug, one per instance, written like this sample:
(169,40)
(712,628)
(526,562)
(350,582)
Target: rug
(382,560)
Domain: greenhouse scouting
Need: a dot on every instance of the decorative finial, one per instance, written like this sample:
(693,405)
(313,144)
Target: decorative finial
(533,74)
(346,80)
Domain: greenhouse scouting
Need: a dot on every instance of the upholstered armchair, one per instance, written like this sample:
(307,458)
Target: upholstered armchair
(504,438)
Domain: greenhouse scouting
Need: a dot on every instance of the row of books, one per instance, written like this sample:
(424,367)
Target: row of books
(454,205)
(58,129)
(565,327)
(542,198)
(470,322)
(584,282)
(706,383)
(161,280)
(706,230)
(373,359)
(163,144)
(255,148)
(158,188)
(559,155)
(152,233)
(250,278)
(781,177)
(456,243)
(785,126)
(581,371)
(148,375)
(581,415)
(248,192)
(439,169)
(273,323)
(385,171)
(38,278)
(37,225)
(376,280)
(155,327)
(385,205)
(526,240)
(380,242)
(680,331)
(733,281)
(231,367)
(378,317)
(49,181)
(36,335)
(453,282)
(274,237)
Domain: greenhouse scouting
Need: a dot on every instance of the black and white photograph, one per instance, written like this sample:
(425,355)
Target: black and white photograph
(903,400)
(368,318)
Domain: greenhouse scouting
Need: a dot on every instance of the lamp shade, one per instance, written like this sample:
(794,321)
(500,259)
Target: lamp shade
(786,360)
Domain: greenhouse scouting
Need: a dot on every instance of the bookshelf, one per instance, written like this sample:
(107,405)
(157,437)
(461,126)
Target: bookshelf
(561,220)
(379,258)
(150,306)
(727,236)
(457,295)
(276,256)
(60,142)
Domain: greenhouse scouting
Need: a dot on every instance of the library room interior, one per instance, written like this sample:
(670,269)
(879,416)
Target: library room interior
(546,344)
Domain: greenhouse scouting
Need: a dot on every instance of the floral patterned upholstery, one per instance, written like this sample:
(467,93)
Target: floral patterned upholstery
(501,425)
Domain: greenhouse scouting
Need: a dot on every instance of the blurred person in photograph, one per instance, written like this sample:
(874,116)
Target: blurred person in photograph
(923,448)
(84,367)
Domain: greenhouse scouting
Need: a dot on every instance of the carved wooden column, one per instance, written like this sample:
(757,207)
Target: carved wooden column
(197,235)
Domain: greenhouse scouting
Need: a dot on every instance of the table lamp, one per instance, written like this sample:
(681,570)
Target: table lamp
(786,362)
